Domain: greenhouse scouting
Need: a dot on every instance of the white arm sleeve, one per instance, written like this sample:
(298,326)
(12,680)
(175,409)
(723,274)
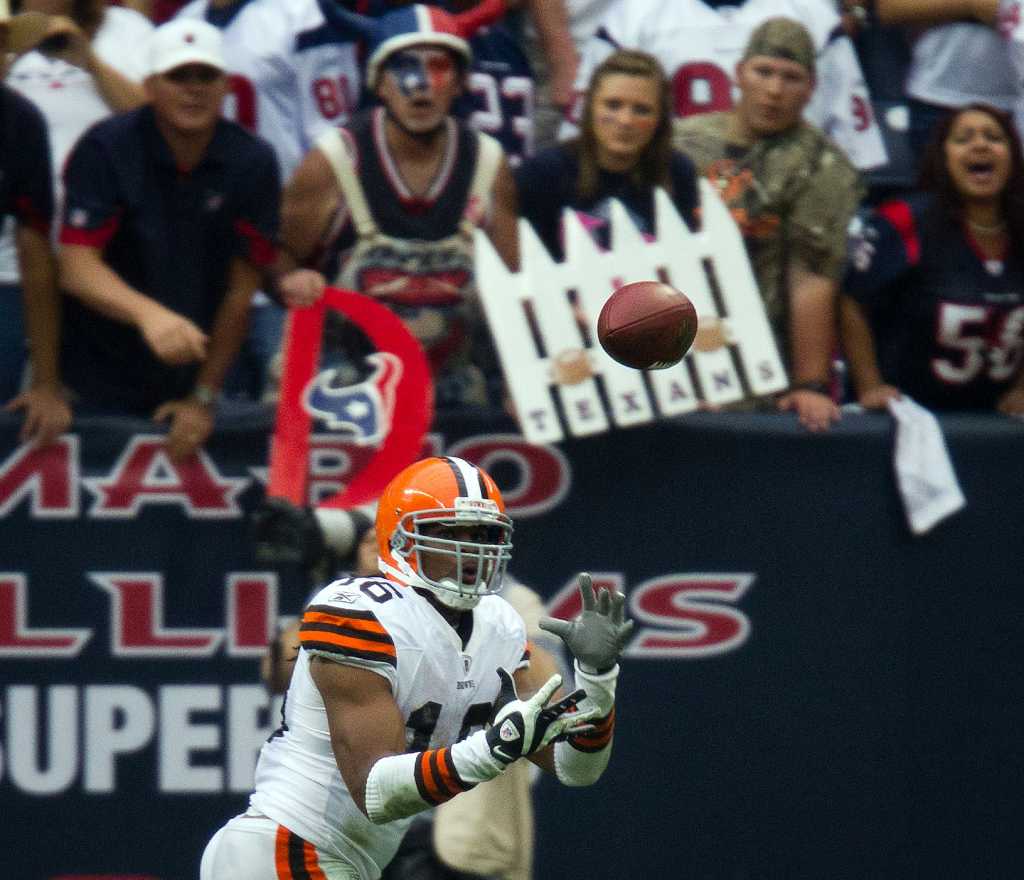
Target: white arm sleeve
(403,785)
(582,758)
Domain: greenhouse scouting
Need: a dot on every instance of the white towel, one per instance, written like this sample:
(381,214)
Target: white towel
(924,473)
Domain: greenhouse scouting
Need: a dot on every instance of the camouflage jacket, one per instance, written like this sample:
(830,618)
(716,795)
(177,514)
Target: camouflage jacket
(792,195)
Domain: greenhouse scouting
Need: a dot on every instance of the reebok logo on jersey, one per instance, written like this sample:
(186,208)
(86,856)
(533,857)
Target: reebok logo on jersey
(346,598)
(508,731)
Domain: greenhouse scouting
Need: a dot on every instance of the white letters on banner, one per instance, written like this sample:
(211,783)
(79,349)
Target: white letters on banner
(198,738)
(565,371)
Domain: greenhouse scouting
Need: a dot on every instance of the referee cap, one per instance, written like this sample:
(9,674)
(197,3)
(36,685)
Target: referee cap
(185,41)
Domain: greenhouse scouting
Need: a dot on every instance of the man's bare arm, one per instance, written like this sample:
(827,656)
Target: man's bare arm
(935,11)
(310,202)
(230,324)
(551,20)
(363,719)
(41,303)
(503,229)
(172,337)
(812,330)
(47,413)
(84,275)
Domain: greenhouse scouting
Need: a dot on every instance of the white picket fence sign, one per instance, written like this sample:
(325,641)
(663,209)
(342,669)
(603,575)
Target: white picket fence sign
(554,371)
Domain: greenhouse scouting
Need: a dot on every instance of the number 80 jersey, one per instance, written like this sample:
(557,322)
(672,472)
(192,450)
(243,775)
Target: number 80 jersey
(444,683)
(289,76)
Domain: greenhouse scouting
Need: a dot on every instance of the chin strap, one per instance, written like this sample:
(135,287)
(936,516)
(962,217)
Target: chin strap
(581,759)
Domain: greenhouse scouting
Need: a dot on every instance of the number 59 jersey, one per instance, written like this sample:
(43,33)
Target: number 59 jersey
(444,683)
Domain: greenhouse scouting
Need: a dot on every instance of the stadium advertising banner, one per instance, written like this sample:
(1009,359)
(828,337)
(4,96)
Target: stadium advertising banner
(809,691)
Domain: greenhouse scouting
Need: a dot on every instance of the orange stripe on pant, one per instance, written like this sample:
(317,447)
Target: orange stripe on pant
(286,850)
(311,863)
(284,871)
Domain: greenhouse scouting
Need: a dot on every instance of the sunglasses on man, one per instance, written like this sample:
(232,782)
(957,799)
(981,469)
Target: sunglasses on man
(194,73)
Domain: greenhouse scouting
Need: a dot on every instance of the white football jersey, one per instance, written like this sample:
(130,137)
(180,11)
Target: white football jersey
(700,46)
(1011,28)
(956,64)
(290,77)
(444,691)
(584,17)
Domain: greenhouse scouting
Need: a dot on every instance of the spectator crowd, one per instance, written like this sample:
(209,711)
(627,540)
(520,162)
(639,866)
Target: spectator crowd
(176,177)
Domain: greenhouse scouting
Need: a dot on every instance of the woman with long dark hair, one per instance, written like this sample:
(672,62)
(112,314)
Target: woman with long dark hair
(624,150)
(933,305)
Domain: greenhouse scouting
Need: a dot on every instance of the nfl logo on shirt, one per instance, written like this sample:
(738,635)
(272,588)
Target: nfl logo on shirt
(553,371)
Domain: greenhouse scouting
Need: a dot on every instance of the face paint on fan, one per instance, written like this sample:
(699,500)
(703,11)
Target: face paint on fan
(414,72)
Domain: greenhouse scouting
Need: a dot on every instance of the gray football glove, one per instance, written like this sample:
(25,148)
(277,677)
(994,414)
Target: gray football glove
(519,728)
(598,634)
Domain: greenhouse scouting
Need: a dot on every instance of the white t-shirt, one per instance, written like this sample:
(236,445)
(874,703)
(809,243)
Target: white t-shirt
(69,100)
(959,63)
(1011,29)
(699,47)
(443,690)
(584,17)
(290,78)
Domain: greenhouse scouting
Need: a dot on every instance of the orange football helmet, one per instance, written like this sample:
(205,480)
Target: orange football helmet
(441,525)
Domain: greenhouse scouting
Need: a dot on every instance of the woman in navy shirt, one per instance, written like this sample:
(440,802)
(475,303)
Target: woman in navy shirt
(623,152)
(934,298)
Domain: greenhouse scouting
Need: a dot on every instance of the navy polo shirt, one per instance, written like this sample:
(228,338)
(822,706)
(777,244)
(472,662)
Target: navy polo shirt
(170,234)
(26,188)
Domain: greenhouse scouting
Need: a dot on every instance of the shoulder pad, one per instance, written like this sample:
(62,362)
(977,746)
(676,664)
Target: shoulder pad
(339,623)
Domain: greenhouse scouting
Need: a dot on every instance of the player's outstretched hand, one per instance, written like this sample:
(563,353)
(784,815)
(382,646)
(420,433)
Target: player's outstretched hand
(598,634)
(520,728)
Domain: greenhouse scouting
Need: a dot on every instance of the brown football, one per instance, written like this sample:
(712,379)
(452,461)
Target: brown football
(647,325)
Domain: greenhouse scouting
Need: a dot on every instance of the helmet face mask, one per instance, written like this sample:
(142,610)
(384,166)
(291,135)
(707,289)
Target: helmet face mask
(442,527)
(458,559)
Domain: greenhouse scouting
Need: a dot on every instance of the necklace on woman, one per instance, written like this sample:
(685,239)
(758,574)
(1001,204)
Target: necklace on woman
(986,230)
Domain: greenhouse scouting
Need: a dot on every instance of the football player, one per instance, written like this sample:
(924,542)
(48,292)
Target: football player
(700,42)
(404,693)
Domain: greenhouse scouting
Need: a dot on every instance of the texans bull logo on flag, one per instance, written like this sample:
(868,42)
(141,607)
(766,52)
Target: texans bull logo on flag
(362,410)
(313,396)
